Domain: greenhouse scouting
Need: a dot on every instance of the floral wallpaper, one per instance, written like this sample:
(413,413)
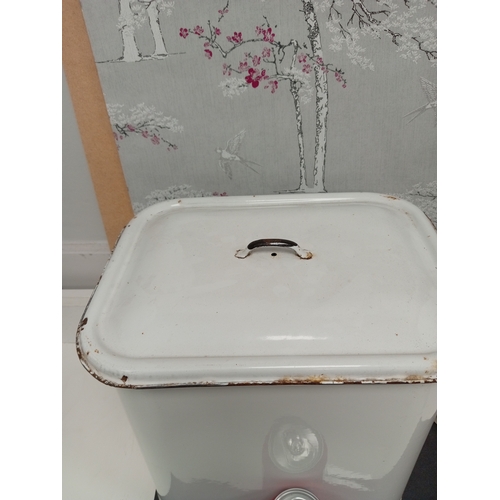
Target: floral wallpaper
(241,97)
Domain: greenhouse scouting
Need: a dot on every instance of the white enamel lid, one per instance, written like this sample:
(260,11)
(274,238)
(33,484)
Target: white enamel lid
(175,306)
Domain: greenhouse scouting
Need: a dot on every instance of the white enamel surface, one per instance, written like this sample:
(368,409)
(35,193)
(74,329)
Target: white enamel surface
(175,306)
(214,441)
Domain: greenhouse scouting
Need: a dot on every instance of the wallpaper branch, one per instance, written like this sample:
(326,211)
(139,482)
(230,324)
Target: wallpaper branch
(238,97)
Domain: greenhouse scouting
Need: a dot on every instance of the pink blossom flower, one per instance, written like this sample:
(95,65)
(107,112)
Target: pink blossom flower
(198,30)
(344,86)
(206,44)
(302,58)
(131,128)
(266,52)
(320,61)
(324,69)
(268,35)
(339,76)
(155,140)
(243,66)
(256,60)
(237,37)
(226,70)
(145,133)
(174,147)
(217,31)
(306,68)
(223,11)
(273,85)
(184,32)
(250,77)
(208,53)
(254,77)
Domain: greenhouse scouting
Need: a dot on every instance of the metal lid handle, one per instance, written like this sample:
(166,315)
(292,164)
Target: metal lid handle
(273,242)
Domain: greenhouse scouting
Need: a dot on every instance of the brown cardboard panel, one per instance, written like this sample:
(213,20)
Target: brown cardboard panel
(93,122)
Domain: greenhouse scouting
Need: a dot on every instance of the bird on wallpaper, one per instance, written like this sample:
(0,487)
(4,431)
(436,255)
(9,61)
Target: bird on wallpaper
(229,155)
(430,91)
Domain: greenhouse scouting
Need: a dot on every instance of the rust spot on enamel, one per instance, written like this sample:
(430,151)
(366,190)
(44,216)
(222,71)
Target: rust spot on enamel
(313,379)
(81,325)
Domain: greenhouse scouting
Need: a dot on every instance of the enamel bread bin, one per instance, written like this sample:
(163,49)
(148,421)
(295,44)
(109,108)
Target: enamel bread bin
(272,347)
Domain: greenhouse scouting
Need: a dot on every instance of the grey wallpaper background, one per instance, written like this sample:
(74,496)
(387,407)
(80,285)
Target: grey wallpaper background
(205,96)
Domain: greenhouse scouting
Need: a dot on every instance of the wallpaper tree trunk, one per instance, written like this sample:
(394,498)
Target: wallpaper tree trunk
(321,84)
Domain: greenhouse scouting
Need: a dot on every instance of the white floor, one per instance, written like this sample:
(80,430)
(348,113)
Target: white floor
(101,459)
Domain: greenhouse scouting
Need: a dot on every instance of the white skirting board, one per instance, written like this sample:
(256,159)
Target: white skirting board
(83,263)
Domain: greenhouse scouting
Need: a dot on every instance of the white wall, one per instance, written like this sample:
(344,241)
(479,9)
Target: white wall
(84,246)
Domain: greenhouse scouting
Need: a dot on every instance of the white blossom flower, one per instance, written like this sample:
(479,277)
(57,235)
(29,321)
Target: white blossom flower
(233,86)
(167,7)
(325,5)
(350,41)
(425,198)
(171,193)
(413,34)
(128,22)
(149,115)
(137,207)
(354,54)
(115,114)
